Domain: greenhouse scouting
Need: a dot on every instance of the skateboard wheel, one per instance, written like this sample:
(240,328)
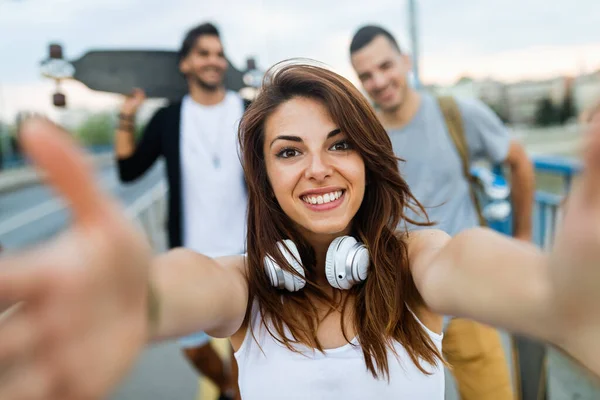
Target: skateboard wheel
(59,100)
(56,51)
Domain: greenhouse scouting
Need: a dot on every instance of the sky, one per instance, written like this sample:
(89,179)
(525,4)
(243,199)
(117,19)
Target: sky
(502,39)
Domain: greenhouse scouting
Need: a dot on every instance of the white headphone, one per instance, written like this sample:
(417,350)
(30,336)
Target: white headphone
(346,264)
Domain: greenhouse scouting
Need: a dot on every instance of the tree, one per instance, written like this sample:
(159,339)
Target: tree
(546,113)
(97,130)
(464,79)
(567,111)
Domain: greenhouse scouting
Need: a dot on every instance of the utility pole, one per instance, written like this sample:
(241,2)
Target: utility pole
(414,38)
(4,138)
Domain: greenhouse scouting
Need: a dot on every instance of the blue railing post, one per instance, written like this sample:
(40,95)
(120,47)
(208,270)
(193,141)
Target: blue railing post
(546,203)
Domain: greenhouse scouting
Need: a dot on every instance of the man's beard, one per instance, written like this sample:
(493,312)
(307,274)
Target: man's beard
(393,109)
(209,87)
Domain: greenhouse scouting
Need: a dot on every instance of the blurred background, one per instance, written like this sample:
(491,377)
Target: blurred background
(535,63)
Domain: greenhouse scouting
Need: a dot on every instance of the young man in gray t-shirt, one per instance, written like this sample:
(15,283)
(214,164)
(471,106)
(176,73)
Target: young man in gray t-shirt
(432,167)
(441,186)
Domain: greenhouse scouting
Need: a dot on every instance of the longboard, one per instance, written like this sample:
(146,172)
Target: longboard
(119,71)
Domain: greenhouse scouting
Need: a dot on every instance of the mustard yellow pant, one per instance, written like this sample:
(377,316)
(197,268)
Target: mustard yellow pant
(477,360)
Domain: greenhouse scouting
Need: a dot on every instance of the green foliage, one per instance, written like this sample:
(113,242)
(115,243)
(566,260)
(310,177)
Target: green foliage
(97,130)
(547,114)
(567,110)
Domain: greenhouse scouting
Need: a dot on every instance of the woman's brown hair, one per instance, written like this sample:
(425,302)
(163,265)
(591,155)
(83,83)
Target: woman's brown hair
(381,314)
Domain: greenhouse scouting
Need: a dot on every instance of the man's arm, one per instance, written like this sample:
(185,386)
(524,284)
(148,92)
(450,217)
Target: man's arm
(134,160)
(488,138)
(522,176)
(124,136)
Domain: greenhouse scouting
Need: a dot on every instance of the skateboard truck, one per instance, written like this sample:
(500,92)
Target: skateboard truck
(57,68)
(252,80)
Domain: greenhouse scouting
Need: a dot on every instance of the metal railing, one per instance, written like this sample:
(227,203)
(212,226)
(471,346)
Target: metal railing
(546,211)
(149,213)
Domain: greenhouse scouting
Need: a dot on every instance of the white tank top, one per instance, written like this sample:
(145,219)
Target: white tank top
(268,370)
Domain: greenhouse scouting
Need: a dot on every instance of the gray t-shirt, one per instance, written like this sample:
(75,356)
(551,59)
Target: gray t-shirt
(432,164)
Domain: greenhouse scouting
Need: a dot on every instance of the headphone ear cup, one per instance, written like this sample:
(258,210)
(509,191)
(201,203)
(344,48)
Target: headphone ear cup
(330,265)
(346,262)
(289,250)
(281,278)
(343,268)
(273,272)
(360,263)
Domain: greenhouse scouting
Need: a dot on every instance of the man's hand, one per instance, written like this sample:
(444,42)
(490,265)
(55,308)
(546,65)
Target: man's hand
(133,102)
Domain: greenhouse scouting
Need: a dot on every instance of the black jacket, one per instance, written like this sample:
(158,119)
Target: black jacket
(161,137)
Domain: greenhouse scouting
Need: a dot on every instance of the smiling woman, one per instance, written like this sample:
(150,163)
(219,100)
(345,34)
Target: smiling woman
(318,142)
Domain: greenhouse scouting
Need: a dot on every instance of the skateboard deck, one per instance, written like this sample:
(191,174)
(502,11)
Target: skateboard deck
(154,71)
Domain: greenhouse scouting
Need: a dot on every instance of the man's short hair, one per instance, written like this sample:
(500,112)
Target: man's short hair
(206,29)
(366,34)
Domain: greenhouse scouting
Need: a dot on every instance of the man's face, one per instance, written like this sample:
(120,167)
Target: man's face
(382,70)
(206,63)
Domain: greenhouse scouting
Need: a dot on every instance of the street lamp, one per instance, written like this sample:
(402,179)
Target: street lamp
(252,80)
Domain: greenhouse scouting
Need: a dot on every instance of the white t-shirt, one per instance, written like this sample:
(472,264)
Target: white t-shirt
(268,370)
(213,191)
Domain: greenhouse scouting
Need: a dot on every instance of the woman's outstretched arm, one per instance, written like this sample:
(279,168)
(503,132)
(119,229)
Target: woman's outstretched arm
(483,275)
(194,293)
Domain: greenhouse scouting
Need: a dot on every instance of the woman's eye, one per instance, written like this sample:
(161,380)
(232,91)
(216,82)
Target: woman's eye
(288,153)
(343,145)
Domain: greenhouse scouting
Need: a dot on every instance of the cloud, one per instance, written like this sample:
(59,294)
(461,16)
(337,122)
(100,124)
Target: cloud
(541,62)
(503,38)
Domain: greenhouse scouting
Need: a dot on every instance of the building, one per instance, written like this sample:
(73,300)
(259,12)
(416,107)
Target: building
(523,98)
(586,90)
(518,102)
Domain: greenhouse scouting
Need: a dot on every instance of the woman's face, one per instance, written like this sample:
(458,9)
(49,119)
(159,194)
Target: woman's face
(316,175)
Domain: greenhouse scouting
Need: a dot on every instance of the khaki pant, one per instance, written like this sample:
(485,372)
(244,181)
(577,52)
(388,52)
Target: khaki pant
(477,360)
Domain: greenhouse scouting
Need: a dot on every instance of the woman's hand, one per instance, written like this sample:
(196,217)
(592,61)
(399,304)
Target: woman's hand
(78,315)
(575,261)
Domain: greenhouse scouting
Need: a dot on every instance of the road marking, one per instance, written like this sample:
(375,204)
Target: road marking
(43,210)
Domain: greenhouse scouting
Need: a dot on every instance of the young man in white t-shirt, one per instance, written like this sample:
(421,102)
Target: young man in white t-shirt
(198,139)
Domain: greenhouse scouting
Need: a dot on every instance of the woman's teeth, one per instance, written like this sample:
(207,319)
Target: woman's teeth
(322,199)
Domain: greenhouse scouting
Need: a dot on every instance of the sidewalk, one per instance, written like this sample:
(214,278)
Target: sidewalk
(17,178)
